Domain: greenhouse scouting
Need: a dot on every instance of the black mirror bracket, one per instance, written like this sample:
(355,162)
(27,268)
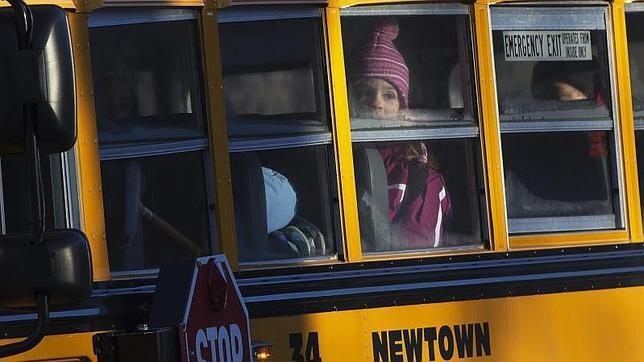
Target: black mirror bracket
(24,28)
(36,334)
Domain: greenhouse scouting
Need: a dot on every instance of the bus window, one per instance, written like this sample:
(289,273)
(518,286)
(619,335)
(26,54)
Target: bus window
(152,136)
(557,124)
(634,18)
(414,127)
(279,135)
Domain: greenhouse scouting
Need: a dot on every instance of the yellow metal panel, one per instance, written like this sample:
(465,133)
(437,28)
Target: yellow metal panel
(490,128)
(427,253)
(65,4)
(89,173)
(591,326)
(153,3)
(625,105)
(219,137)
(346,3)
(63,346)
(226,3)
(342,138)
(568,239)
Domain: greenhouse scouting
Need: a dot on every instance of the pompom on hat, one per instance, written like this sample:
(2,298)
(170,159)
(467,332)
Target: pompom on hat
(379,58)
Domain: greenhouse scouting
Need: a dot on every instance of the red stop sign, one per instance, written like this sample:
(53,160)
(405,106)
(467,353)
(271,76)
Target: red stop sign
(215,326)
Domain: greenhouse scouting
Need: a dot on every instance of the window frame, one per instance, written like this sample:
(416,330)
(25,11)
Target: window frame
(326,139)
(112,17)
(536,239)
(473,131)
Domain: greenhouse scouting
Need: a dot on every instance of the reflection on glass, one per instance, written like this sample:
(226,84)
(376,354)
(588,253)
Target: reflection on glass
(156,210)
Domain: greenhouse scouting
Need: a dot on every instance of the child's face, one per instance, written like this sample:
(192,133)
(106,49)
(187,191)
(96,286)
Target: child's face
(567,92)
(376,97)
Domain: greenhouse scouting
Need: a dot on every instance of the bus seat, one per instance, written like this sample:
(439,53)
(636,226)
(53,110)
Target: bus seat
(250,205)
(123,182)
(371,192)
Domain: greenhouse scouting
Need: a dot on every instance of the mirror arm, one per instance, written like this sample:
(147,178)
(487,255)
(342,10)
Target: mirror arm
(36,335)
(24,23)
(33,153)
(24,27)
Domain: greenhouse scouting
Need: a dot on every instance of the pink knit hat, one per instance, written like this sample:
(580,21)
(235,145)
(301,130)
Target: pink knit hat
(379,58)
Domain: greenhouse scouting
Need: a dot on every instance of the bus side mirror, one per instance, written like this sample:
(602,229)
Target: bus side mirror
(59,266)
(43,75)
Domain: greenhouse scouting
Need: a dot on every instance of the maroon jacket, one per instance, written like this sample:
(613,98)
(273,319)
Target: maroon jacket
(421,222)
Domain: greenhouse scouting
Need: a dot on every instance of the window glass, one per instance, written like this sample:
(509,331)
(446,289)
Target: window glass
(152,137)
(276,86)
(278,203)
(281,154)
(556,121)
(415,134)
(634,21)
(146,85)
(439,71)
(154,209)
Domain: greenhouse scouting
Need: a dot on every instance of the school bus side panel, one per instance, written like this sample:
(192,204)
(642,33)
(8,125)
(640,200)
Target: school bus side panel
(69,347)
(577,326)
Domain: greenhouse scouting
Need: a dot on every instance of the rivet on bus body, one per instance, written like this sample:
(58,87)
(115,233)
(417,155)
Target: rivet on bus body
(82,93)
(90,189)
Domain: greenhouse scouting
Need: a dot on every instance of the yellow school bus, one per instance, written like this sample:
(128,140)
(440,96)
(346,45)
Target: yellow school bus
(290,136)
